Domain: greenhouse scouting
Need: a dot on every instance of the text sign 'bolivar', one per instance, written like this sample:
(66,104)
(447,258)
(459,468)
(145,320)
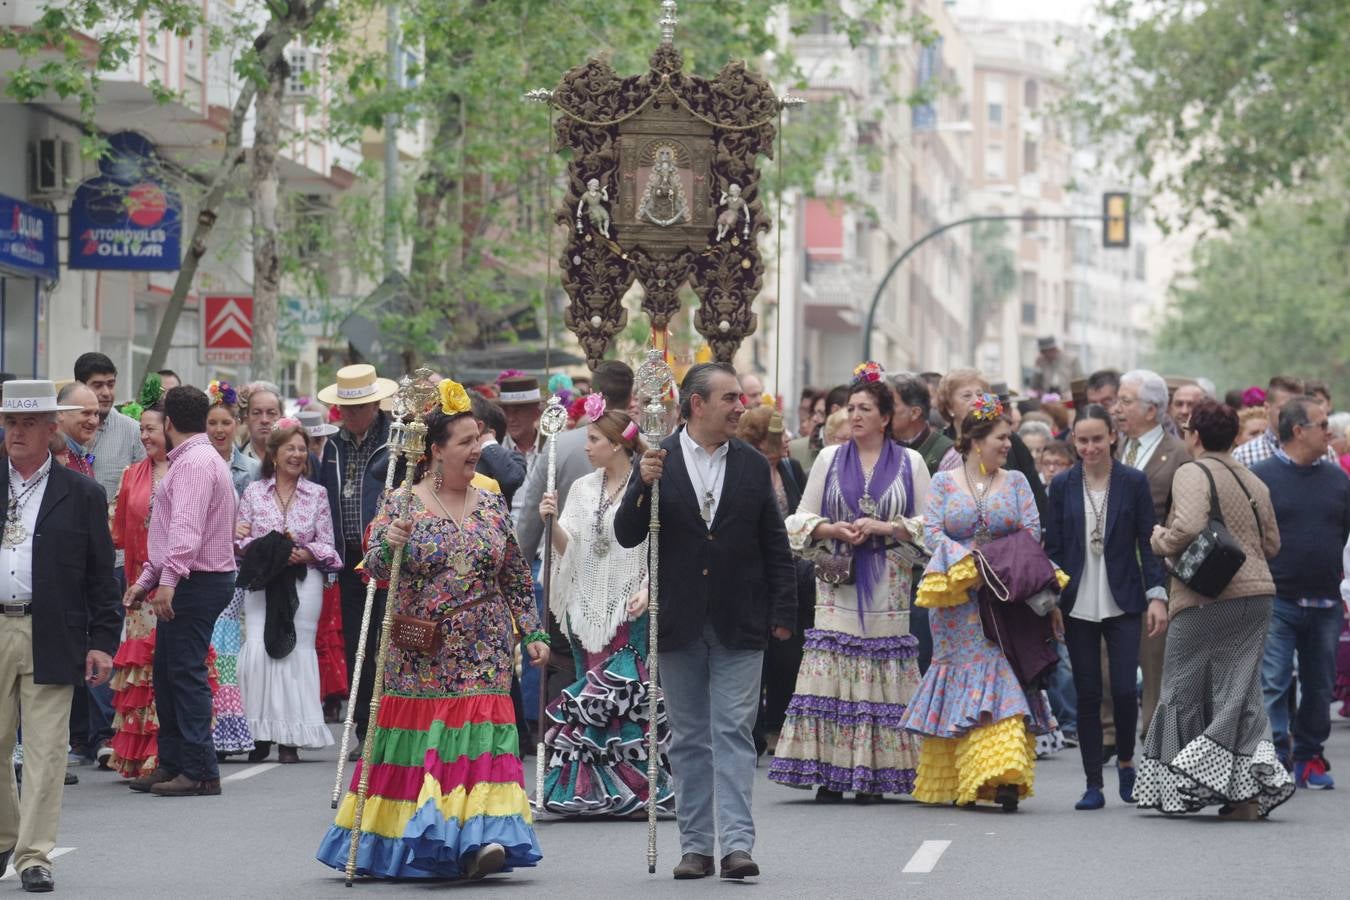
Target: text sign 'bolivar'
(126,219)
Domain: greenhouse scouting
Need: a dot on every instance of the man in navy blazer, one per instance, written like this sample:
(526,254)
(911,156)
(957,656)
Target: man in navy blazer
(726,581)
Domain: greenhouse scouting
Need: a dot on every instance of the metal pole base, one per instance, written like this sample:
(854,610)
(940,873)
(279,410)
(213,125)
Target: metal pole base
(651,870)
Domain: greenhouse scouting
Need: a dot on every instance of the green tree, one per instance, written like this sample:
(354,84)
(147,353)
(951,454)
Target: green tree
(1221,103)
(1269,298)
(479,216)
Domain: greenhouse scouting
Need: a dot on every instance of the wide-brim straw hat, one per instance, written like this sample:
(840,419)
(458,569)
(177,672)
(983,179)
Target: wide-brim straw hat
(22,397)
(357,385)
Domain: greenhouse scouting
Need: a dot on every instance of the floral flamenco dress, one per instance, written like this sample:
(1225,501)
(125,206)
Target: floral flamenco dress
(597,743)
(445,779)
(977,722)
(135,742)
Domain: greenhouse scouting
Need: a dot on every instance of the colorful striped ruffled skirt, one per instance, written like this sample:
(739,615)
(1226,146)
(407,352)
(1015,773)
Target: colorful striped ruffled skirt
(445,781)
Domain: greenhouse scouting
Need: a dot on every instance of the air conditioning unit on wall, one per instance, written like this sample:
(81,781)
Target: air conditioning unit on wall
(51,167)
(300,86)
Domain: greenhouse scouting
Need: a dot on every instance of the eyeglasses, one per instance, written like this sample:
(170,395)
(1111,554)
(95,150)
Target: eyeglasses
(1324,425)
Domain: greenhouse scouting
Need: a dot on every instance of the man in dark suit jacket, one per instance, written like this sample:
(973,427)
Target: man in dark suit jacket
(1141,405)
(726,580)
(59,624)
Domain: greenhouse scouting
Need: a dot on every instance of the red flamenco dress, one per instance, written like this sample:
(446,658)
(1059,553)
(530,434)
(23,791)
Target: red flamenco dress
(135,723)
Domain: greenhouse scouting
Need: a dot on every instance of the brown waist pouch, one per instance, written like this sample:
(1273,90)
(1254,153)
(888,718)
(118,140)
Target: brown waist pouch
(425,636)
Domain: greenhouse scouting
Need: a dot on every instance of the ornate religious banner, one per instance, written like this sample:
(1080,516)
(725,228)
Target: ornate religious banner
(663,189)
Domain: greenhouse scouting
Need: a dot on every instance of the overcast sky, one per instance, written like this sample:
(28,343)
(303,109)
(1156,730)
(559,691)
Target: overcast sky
(1073,11)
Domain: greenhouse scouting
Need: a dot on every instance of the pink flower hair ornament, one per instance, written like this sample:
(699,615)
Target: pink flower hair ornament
(289,422)
(630,431)
(594,406)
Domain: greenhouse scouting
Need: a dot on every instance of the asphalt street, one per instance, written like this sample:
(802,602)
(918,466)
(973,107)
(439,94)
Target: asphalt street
(258,840)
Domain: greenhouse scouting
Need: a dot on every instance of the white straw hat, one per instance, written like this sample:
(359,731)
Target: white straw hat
(31,397)
(357,385)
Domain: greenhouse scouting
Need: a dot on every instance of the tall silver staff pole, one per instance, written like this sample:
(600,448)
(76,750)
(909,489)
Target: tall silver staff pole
(551,423)
(653,380)
(417,397)
(397,435)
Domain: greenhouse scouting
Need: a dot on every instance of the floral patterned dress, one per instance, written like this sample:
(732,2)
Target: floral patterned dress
(445,777)
(859,667)
(230,731)
(970,709)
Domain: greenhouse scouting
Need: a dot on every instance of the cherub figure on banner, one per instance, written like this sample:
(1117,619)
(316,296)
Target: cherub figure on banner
(737,210)
(592,203)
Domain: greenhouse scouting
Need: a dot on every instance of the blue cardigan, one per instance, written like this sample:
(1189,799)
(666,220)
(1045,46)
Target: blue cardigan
(1131,566)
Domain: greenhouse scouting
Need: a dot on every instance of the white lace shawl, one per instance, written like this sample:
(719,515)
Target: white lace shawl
(590,592)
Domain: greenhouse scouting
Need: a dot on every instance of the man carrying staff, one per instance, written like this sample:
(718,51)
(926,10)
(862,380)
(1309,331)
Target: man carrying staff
(58,620)
(354,464)
(726,579)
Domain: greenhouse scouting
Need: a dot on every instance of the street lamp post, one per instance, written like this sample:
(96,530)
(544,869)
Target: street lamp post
(909,251)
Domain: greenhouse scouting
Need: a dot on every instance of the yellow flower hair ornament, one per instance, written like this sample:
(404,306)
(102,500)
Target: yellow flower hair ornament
(454,399)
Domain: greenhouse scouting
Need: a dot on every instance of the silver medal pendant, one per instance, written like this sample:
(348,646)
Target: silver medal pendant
(349,490)
(1098,545)
(602,546)
(868,506)
(14,534)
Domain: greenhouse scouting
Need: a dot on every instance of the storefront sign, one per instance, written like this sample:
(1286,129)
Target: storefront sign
(27,240)
(227,330)
(126,219)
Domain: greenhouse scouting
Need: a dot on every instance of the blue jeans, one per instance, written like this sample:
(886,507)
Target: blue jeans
(529,676)
(1059,688)
(1312,634)
(712,697)
(182,693)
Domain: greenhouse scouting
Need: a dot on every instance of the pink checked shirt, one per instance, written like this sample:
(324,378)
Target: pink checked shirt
(308,521)
(192,523)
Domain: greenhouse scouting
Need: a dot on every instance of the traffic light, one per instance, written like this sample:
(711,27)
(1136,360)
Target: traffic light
(1115,219)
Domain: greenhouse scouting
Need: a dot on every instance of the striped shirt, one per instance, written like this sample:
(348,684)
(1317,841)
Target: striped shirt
(192,521)
(116,445)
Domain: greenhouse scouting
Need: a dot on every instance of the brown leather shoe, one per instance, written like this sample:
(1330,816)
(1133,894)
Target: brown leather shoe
(183,786)
(143,784)
(738,864)
(694,865)
(288,755)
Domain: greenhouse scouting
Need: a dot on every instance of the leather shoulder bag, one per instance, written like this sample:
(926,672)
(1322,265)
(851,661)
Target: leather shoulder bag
(1214,555)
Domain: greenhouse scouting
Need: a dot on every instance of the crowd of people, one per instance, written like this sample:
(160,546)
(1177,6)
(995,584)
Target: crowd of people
(913,584)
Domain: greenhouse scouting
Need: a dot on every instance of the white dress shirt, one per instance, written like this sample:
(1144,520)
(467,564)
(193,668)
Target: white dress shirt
(16,563)
(707,472)
(1148,442)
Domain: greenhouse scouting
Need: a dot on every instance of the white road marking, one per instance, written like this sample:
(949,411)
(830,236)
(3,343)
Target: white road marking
(59,851)
(926,857)
(251,771)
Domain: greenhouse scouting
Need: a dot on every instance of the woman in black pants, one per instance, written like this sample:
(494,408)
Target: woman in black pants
(1101,518)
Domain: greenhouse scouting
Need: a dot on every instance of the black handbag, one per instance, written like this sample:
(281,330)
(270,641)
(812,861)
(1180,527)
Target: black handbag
(1214,555)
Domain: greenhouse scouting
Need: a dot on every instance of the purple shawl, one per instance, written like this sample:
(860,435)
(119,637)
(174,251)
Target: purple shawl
(841,505)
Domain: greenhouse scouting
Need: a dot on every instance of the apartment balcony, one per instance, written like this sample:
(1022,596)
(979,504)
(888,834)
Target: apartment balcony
(836,292)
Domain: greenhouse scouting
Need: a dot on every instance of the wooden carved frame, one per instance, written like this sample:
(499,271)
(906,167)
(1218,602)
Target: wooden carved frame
(716,129)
